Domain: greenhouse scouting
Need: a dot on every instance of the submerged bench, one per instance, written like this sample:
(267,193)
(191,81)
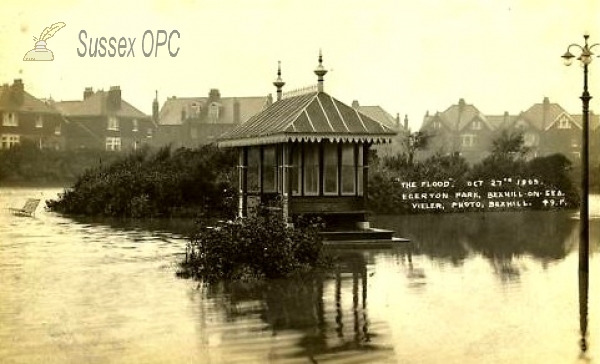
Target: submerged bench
(28,209)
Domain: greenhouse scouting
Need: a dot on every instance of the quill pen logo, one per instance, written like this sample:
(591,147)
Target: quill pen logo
(40,52)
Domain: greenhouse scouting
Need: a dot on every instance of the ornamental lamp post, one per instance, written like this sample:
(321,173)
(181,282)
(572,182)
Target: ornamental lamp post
(585,58)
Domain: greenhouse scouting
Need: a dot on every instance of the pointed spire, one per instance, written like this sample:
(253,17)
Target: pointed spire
(279,82)
(320,71)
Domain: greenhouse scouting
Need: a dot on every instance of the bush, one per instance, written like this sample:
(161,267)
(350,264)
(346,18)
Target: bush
(185,182)
(252,248)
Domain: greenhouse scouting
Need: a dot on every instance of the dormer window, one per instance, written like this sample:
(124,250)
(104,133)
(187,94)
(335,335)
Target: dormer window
(10,119)
(134,126)
(39,121)
(113,123)
(476,125)
(563,123)
(213,112)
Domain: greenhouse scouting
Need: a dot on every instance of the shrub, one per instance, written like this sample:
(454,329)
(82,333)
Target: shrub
(184,182)
(252,248)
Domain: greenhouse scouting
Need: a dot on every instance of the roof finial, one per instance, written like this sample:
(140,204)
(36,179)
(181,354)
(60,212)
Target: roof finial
(279,82)
(320,71)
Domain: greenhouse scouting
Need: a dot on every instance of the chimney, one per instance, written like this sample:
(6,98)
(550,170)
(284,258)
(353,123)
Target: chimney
(17,91)
(236,111)
(545,109)
(87,93)
(155,108)
(214,95)
(279,82)
(397,120)
(461,105)
(320,71)
(269,100)
(355,104)
(114,98)
(505,120)
(405,122)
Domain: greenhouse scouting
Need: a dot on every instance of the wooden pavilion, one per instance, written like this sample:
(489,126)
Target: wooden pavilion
(307,155)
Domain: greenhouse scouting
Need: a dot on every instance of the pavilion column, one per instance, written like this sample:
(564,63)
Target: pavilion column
(285,182)
(243,182)
(365,162)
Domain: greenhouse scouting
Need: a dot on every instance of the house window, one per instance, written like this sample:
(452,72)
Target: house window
(468,140)
(476,125)
(149,133)
(213,112)
(436,124)
(563,123)
(574,142)
(253,169)
(529,140)
(9,140)
(311,169)
(135,125)
(269,169)
(57,129)
(39,121)
(296,169)
(113,143)
(330,169)
(113,123)
(10,119)
(348,170)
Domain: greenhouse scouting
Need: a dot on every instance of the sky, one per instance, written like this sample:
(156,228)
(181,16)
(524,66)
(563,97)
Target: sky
(408,57)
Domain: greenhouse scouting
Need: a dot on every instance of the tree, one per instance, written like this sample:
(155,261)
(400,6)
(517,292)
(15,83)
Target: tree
(510,145)
(414,142)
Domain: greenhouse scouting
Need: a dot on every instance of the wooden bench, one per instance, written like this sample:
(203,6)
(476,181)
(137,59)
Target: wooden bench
(28,209)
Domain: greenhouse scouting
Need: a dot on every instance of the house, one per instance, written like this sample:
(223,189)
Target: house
(194,121)
(380,115)
(307,154)
(547,128)
(461,129)
(103,120)
(25,117)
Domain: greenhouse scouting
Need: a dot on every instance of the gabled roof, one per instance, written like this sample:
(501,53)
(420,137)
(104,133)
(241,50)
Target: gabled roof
(458,116)
(172,109)
(535,114)
(30,103)
(379,114)
(564,115)
(499,121)
(95,105)
(309,117)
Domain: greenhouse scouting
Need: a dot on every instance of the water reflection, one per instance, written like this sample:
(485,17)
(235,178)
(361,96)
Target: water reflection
(326,317)
(499,237)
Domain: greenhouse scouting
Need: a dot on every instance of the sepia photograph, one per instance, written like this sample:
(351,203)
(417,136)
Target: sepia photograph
(318,181)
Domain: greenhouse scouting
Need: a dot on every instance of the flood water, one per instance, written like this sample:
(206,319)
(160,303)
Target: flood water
(470,288)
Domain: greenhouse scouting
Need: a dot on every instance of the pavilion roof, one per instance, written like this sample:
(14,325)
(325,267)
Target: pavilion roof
(313,116)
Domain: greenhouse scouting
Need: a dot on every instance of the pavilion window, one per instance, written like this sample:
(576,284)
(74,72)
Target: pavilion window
(311,169)
(296,170)
(253,170)
(269,169)
(359,175)
(348,170)
(330,169)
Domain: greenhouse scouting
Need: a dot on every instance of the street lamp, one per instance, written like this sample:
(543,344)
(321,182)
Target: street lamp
(586,58)
(584,238)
